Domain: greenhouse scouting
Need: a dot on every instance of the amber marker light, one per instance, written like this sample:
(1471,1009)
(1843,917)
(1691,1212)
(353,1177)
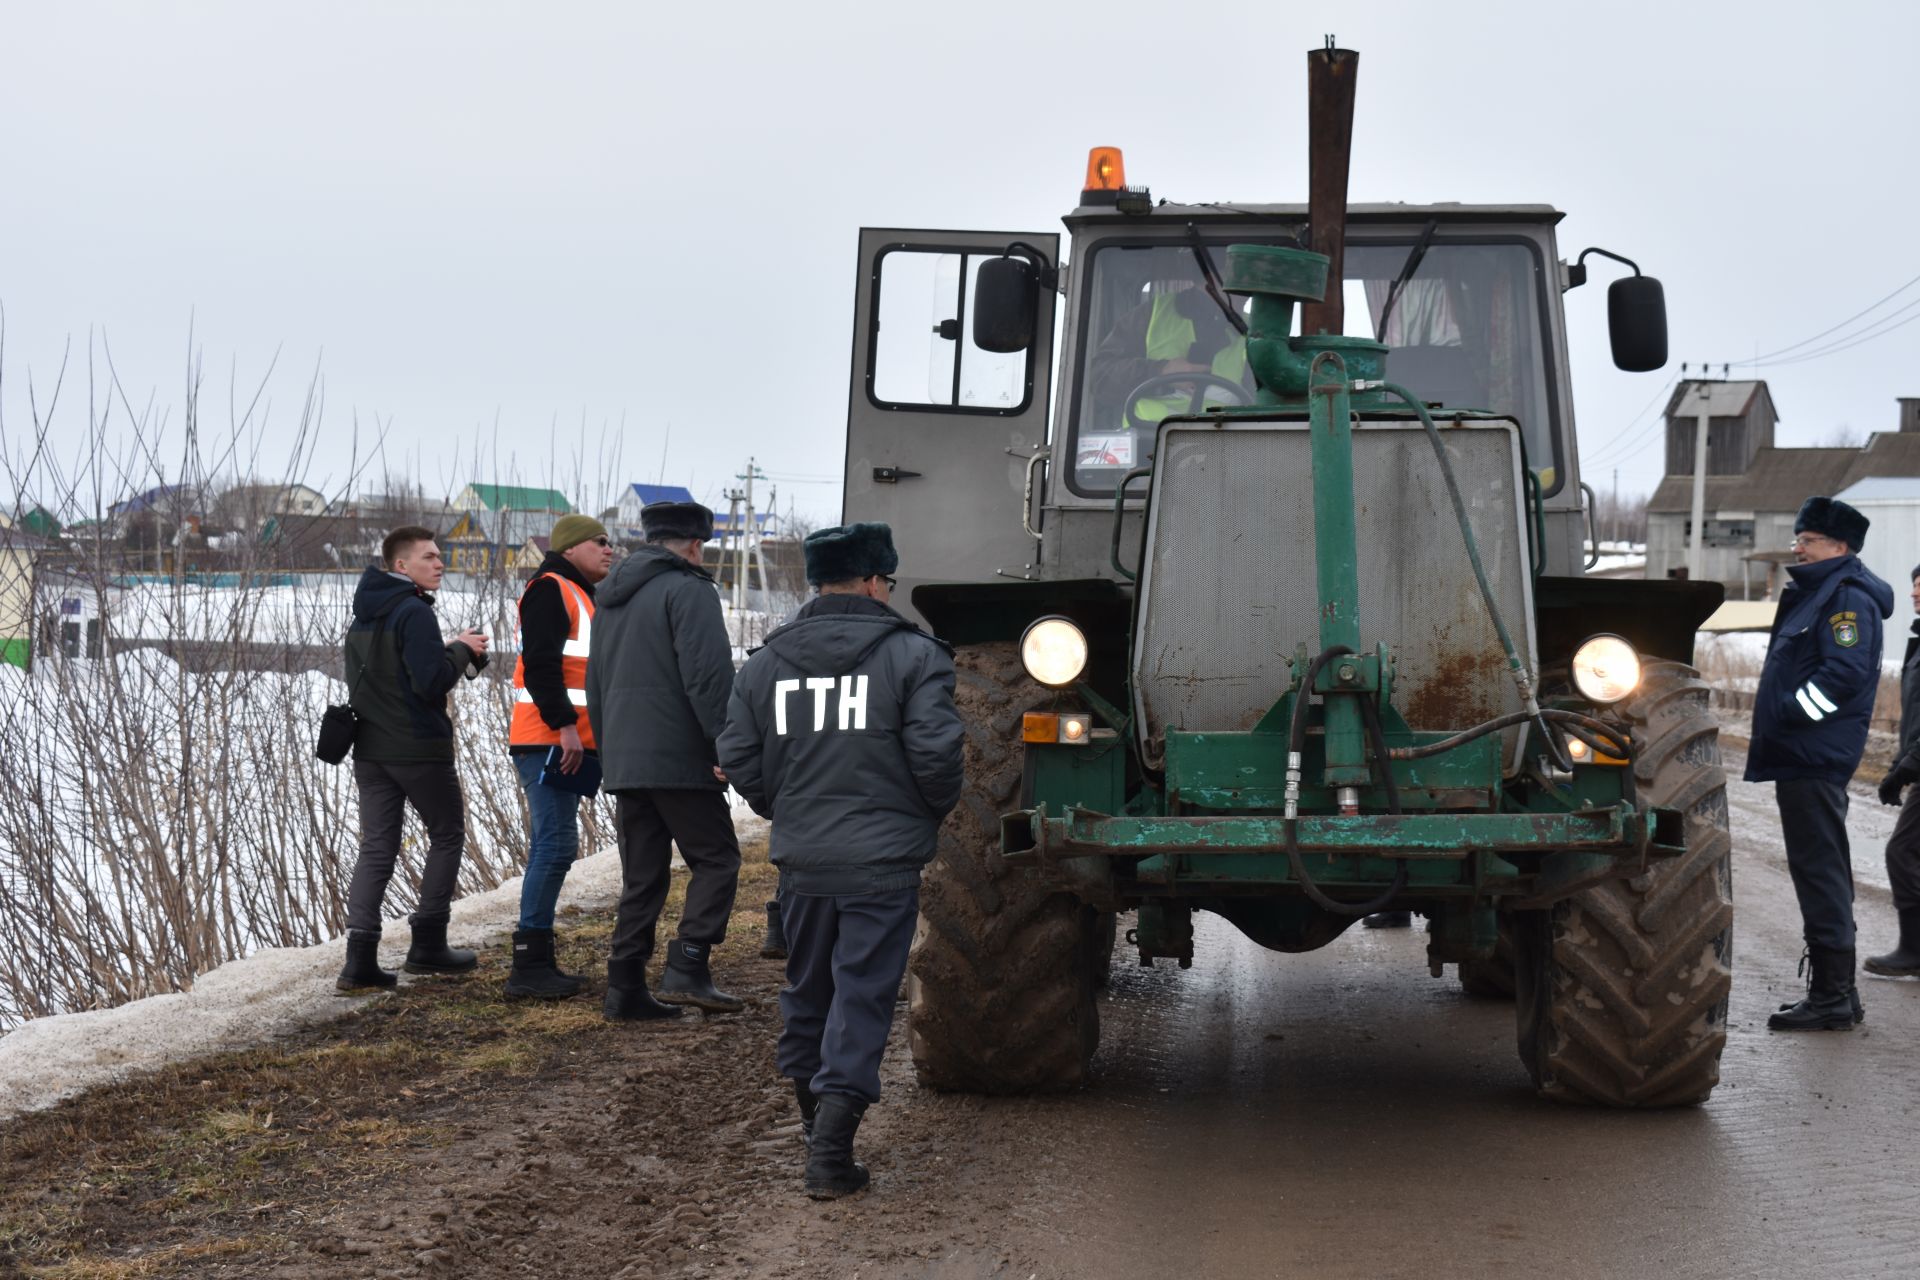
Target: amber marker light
(1040,726)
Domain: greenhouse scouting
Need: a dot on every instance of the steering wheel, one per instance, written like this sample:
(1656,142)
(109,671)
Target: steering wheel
(1163,383)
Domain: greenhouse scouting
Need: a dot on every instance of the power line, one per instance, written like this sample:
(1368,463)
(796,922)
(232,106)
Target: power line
(1843,324)
(1617,446)
(1855,339)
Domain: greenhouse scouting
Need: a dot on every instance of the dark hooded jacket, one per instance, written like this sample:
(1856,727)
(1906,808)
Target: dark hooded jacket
(1909,759)
(1822,673)
(661,670)
(844,733)
(399,672)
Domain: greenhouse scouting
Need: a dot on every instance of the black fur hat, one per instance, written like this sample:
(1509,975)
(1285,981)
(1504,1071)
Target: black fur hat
(1835,519)
(676,520)
(846,552)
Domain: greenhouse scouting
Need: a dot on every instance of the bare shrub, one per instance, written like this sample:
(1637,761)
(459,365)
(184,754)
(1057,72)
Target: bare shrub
(164,811)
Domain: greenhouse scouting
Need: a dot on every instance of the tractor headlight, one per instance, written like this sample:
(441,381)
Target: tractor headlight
(1605,669)
(1054,651)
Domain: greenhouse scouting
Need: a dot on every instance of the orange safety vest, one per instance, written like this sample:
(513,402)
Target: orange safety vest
(529,730)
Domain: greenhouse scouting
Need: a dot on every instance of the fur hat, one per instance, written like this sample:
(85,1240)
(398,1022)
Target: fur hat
(1833,518)
(846,552)
(571,531)
(676,520)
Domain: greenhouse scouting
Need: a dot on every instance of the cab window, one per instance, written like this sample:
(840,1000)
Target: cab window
(1465,330)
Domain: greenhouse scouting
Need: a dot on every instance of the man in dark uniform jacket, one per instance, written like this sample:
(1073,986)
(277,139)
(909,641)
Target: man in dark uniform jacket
(843,732)
(1810,717)
(1903,846)
(657,689)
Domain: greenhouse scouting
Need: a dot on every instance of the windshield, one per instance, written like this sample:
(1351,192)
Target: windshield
(1465,331)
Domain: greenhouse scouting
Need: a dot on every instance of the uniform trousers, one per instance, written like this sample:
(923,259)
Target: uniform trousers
(1813,823)
(846,955)
(432,787)
(1903,854)
(651,822)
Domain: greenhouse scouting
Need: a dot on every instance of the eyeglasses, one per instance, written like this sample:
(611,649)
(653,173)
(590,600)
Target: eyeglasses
(891,582)
(1805,540)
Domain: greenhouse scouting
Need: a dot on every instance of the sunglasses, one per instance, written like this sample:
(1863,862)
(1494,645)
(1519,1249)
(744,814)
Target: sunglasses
(601,541)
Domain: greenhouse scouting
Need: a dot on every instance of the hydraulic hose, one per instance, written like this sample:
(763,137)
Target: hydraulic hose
(1597,734)
(1296,744)
(1521,680)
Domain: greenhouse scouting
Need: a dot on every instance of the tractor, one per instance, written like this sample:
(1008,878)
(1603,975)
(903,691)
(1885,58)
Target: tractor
(1281,615)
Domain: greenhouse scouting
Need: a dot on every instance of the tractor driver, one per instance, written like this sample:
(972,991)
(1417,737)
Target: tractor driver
(1135,377)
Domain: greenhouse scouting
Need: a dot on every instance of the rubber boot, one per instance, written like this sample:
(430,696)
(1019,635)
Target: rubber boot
(534,975)
(686,980)
(363,971)
(1828,1005)
(627,996)
(1904,960)
(831,1169)
(809,1106)
(1389,920)
(774,947)
(430,952)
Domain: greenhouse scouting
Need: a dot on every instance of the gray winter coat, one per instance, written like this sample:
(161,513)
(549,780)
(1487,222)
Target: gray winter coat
(843,731)
(659,675)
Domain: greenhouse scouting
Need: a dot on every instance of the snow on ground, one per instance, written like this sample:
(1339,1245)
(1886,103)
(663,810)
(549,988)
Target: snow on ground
(252,1001)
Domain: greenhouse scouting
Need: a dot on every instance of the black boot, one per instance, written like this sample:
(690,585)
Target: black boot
(534,974)
(363,971)
(1904,960)
(1389,920)
(686,980)
(1829,1003)
(809,1106)
(775,945)
(831,1169)
(430,952)
(627,997)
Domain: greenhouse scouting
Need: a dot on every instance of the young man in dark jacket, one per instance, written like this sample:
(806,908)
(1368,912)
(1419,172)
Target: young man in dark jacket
(549,712)
(399,672)
(843,732)
(657,695)
(1903,846)
(1810,717)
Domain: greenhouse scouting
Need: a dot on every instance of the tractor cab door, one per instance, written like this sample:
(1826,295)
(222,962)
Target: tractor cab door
(941,432)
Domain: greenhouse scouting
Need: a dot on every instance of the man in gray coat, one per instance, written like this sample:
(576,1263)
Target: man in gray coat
(844,733)
(657,693)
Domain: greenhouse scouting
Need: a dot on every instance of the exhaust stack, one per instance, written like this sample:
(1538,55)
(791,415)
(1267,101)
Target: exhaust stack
(1330,83)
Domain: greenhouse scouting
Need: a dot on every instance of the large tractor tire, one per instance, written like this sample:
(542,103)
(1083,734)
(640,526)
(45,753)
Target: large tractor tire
(1000,983)
(1622,989)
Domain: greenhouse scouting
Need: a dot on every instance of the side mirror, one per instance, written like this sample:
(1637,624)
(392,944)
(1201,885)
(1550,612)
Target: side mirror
(1637,323)
(1006,299)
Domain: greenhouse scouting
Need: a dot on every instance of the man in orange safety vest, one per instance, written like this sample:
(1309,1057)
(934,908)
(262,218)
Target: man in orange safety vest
(549,711)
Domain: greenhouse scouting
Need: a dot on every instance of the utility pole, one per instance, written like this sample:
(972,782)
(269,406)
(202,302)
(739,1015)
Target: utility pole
(733,526)
(1615,522)
(747,539)
(1696,549)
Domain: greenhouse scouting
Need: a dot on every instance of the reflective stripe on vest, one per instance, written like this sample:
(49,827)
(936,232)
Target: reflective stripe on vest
(528,729)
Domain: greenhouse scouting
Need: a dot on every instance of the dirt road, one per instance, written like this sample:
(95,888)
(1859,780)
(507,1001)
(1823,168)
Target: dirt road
(1341,1114)
(1338,1114)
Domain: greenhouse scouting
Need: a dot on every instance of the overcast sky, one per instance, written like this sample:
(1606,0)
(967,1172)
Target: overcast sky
(474,214)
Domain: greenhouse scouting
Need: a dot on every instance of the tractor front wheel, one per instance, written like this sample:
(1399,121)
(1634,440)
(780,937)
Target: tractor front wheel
(1621,990)
(1000,983)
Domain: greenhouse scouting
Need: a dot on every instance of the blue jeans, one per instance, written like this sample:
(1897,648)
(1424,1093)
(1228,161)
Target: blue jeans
(552,844)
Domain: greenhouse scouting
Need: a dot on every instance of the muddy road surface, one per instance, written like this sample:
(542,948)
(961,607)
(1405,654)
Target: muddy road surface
(1337,1114)
(1343,1114)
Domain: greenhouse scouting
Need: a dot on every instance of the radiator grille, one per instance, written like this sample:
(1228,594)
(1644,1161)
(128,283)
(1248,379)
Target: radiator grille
(1227,588)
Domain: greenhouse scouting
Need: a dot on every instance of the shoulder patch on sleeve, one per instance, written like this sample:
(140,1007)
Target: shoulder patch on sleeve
(1846,628)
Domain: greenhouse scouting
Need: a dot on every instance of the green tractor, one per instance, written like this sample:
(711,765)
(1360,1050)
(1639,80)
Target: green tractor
(1284,619)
